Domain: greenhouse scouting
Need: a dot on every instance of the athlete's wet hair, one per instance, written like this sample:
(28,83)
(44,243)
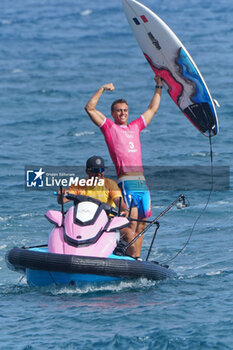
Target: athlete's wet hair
(121,100)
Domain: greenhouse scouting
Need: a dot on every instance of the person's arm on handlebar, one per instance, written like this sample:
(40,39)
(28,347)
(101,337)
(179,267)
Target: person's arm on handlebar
(124,208)
(59,196)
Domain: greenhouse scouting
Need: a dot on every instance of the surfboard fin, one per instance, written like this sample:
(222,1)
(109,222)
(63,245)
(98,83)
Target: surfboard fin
(216,103)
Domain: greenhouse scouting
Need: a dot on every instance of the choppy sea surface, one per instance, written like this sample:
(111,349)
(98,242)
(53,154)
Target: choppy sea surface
(54,55)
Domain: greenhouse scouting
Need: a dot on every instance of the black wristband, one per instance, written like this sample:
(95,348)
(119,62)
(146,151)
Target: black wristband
(158,87)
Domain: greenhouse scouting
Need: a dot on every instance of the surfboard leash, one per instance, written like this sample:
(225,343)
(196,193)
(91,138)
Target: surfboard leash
(202,211)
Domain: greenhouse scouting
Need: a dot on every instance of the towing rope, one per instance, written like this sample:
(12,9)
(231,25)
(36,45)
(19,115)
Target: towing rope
(202,211)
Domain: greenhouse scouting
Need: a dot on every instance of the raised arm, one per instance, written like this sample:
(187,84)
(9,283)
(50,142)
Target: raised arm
(96,116)
(155,102)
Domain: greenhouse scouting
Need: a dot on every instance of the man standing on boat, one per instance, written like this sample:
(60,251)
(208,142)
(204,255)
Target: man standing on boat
(123,141)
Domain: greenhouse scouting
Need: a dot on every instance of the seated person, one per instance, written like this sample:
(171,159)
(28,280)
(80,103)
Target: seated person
(109,193)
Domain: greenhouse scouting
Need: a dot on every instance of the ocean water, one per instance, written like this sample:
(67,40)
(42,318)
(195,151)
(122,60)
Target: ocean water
(54,55)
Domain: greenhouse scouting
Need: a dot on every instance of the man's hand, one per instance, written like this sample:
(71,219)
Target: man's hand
(109,87)
(125,213)
(61,198)
(158,80)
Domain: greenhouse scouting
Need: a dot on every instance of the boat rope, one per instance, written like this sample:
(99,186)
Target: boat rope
(19,281)
(202,211)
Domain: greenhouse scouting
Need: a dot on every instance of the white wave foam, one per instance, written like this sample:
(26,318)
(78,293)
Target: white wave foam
(84,133)
(146,131)
(107,287)
(6,21)
(156,207)
(26,215)
(222,202)
(214,273)
(17,71)
(86,12)
(6,218)
(199,154)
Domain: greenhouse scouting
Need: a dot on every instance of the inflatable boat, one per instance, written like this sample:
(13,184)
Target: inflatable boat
(84,247)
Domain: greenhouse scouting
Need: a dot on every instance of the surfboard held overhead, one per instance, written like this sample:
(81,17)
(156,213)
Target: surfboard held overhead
(168,58)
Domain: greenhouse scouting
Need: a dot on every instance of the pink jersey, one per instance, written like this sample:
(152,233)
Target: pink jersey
(124,144)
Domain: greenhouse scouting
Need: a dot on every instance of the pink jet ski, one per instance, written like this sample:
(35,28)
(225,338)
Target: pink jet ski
(84,246)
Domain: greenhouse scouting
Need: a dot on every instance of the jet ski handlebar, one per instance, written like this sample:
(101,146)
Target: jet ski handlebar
(79,198)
